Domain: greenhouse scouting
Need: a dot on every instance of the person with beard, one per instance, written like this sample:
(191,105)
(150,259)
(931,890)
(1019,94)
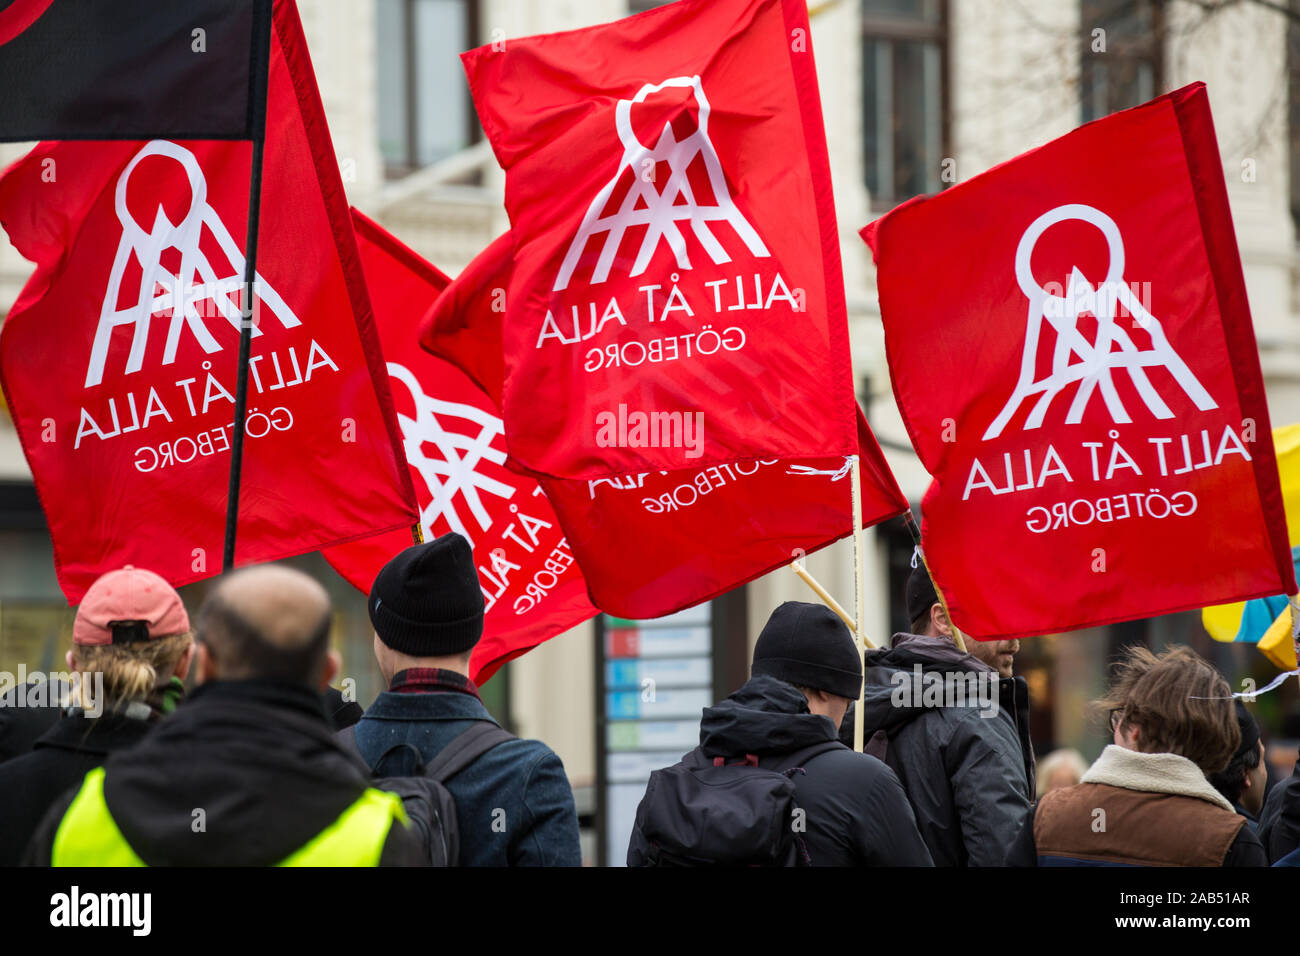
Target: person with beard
(966,763)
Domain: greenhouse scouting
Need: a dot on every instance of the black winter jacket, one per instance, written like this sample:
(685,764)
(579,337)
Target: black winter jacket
(22,722)
(31,784)
(967,770)
(856,812)
(258,757)
(1279,820)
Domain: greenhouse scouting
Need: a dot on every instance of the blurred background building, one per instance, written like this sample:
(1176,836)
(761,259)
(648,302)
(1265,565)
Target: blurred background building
(916,94)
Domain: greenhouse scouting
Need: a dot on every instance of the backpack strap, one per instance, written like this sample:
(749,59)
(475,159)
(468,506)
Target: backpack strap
(464,749)
(797,759)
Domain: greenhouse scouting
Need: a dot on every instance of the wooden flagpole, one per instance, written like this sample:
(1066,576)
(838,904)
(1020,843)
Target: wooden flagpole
(910,520)
(822,593)
(859,599)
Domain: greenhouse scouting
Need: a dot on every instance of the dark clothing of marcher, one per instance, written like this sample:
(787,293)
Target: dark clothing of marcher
(855,810)
(341,712)
(257,757)
(968,770)
(21,722)
(66,752)
(514,805)
(1137,809)
(1279,820)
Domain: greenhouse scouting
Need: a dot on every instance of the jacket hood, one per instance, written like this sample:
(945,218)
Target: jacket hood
(765,716)
(891,675)
(257,758)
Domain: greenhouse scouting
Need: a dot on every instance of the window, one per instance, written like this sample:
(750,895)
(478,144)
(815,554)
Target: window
(425,110)
(904,97)
(1121,62)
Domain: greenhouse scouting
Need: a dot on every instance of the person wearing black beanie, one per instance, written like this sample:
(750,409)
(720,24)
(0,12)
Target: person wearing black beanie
(426,602)
(427,609)
(808,646)
(806,669)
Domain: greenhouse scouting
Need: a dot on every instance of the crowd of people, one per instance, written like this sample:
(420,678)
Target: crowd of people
(264,763)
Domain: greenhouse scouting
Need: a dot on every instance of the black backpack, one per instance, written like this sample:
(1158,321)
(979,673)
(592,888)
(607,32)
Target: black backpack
(706,812)
(425,797)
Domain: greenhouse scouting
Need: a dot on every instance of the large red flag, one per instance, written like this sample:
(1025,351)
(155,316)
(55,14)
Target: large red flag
(451,430)
(675,247)
(119,358)
(652,543)
(1072,353)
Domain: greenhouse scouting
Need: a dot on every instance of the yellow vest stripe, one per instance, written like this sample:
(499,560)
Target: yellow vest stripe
(88,835)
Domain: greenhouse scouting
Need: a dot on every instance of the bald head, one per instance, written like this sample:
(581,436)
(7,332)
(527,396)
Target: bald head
(267,622)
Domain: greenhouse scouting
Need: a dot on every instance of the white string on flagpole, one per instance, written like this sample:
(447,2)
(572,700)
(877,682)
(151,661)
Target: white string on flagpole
(806,470)
(1280,679)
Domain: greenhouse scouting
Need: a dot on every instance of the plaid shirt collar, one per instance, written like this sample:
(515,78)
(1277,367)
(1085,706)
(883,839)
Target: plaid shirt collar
(431,680)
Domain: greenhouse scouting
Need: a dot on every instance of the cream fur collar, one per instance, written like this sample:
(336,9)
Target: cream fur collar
(1153,773)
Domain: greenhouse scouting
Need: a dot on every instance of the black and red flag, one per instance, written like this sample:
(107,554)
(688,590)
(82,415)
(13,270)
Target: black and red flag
(132,69)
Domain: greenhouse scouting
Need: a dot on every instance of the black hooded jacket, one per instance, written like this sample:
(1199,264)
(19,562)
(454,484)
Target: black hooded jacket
(66,752)
(967,770)
(259,758)
(857,814)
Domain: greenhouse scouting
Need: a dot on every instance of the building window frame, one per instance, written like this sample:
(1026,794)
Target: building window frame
(880,28)
(410,53)
(1121,50)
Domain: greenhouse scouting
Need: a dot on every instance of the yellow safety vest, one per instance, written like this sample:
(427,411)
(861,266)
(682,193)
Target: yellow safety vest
(88,835)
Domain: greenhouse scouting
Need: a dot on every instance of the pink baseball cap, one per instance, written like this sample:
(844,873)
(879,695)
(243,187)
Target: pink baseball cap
(126,605)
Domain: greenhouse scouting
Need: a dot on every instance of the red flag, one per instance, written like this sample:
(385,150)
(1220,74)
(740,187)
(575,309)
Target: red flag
(700,533)
(697,532)
(464,326)
(1072,353)
(675,247)
(119,358)
(452,435)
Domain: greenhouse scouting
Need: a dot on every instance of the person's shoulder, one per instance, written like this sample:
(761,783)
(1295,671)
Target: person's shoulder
(33,765)
(848,762)
(523,750)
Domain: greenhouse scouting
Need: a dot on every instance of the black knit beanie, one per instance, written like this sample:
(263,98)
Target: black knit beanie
(807,645)
(920,595)
(426,601)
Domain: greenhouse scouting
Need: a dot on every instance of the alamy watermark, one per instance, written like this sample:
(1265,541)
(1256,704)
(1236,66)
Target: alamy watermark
(921,688)
(54,689)
(638,429)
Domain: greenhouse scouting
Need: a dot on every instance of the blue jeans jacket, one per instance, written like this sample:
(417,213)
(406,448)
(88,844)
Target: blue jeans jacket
(514,806)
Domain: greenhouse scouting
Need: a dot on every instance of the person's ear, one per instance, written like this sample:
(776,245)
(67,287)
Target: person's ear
(183,665)
(940,620)
(71,659)
(332,664)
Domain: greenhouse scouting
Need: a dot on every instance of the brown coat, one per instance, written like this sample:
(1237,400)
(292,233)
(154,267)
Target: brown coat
(1137,809)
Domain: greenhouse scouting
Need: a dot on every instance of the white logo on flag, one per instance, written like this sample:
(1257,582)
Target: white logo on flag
(660,212)
(1074,358)
(196,281)
(453,470)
